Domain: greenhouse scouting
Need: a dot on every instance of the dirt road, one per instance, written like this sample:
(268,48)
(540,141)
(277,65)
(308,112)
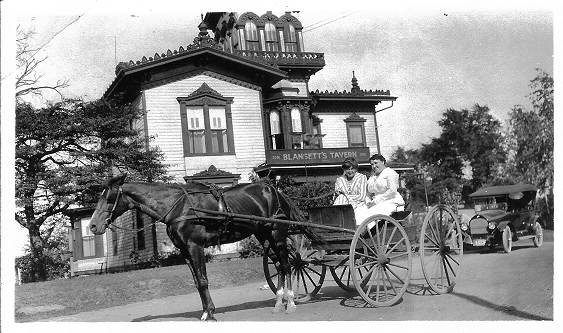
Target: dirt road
(492,286)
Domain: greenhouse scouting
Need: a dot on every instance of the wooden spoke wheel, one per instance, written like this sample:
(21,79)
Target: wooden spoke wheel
(380,260)
(441,248)
(538,235)
(507,239)
(343,277)
(306,278)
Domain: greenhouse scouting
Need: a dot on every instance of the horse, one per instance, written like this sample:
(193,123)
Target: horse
(188,212)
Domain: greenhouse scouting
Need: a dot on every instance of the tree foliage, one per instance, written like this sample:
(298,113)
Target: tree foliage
(530,143)
(469,140)
(64,151)
(470,137)
(530,137)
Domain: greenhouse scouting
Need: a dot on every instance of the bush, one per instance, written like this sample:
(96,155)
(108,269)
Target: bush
(57,263)
(307,195)
(250,247)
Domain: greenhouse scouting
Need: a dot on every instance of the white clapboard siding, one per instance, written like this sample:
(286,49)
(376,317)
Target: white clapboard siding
(163,118)
(334,128)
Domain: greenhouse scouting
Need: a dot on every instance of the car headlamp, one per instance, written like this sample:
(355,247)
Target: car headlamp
(464,226)
(492,225)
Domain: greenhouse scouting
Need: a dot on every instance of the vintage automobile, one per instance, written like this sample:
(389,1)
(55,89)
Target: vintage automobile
(503,214)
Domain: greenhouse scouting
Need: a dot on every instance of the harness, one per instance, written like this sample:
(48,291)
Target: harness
(213,189)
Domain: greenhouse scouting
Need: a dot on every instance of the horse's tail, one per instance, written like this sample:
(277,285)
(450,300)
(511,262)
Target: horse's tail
(296,214)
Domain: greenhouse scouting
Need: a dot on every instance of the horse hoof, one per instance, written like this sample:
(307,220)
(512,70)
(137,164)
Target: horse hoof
(207,317)
(290,308)
(278,308)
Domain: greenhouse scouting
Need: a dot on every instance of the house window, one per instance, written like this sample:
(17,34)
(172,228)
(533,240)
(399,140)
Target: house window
(275,131)
(356,135)
(296,120)
(251,32)
(88,241)
(356,131)
(207,127)
(271,38)
(290,38)
(140,231)
(196,130)
(218,124)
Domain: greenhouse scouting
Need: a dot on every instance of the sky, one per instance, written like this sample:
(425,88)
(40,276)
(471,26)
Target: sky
(432,56)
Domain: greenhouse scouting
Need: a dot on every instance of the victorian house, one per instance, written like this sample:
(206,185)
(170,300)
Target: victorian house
(235,102)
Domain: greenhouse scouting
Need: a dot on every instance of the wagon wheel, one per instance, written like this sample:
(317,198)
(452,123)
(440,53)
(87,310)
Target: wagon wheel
(306,278)
(380,260)
(441,249)
(538,235)
(342,277)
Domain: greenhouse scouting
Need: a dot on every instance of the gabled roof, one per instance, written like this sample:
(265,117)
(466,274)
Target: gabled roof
(204,47)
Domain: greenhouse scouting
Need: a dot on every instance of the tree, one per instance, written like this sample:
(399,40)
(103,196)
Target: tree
(402,155)
(470,137)
(27,77)
(530,140)
(64,151)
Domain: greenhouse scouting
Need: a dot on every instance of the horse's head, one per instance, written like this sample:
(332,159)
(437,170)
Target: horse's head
(111,204)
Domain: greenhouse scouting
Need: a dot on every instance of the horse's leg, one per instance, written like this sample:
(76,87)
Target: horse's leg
(290,307)
(284,280)
(280,291)
(195,257)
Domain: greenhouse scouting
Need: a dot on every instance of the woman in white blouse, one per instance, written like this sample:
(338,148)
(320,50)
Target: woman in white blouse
(382,196)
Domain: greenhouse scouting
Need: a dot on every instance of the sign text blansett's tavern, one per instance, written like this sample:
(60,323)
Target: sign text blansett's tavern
(316,156)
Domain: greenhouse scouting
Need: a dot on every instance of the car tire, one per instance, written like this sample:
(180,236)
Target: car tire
(507,239)
(538,235)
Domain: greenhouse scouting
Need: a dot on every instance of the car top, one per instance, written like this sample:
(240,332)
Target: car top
(503,189)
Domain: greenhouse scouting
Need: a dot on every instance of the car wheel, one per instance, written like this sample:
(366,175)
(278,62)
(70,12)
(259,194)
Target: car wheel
(507,239)
(538,232)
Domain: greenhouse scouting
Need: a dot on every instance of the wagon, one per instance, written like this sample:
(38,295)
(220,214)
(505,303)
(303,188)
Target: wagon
(374,258)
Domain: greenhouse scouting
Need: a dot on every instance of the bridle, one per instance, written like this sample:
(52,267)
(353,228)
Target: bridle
(111,210)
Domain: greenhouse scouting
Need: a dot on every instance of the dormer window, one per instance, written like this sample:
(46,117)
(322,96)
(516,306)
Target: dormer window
(270,36)
(251,36)
(290,38)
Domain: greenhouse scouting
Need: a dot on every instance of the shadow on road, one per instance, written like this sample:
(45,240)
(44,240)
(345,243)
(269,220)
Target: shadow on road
(197,314)
(508,309)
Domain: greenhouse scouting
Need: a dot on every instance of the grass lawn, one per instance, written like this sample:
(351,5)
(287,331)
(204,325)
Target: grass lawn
(36,301)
